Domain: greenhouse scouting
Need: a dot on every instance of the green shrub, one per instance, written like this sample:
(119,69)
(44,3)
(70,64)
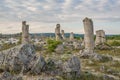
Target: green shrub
(114,43)
(52,44)
(6,46)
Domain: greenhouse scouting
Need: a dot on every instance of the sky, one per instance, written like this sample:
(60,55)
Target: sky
(43,15)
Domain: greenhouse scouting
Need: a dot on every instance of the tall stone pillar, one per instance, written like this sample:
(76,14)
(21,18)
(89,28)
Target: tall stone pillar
(57,32)
(25,33)
(89,35)
(63,34)
(100,37)
(71,36)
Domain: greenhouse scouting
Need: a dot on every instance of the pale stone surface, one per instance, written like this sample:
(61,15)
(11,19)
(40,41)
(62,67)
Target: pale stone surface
(38,66)
(60,49)
(77,45)
(72,66)
(89,35)
(57,32)
(71,36)
(21,59)
(15,58)
(63,34)
(8,76)
(25,33)
(100,37)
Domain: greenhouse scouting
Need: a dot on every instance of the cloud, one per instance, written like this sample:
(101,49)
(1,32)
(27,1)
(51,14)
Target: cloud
(36,10)
(50,12)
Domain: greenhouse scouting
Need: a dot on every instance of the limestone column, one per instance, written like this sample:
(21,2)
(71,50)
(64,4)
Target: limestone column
(89,35)
(71,36)
(25,33)
(57,32)
(63,34)
(103,36)
(100,37)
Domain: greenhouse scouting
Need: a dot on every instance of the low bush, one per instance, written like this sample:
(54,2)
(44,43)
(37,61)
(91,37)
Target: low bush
(52,44)
(115,43)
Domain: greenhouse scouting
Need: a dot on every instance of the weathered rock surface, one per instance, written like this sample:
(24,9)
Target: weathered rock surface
(77,45)
(100,37)
(57,32)
(95,56)
(71,36)
(72,66)
(39,65)
(106,77)
(25,33)
(22,59)
(89,35)
(8,76)
(59,49)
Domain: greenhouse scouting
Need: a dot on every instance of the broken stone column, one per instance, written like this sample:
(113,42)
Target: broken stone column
(100,37)
(25,33)
(63,34)
(71,36)
(89,35)
(57,32)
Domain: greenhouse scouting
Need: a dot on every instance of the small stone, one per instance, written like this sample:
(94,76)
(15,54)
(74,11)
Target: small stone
(106,77)
(59,49)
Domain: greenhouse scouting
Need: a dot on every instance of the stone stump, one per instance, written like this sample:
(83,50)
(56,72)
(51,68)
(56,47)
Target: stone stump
(63,34)
(100,37)
(71,36)
(25,33)
(57,32)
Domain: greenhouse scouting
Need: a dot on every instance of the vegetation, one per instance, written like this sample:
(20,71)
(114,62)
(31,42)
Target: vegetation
(114,43)
(83,76)
(78,38)
(52,44)
(113,37)
(7,46)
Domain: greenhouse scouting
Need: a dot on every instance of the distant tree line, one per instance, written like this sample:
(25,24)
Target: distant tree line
(113,37)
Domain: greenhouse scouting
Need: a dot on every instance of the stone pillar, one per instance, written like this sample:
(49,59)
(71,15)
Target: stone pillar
(100,37)
(71,36)
(25,33)
(89,35)
(57,32)
(63,34)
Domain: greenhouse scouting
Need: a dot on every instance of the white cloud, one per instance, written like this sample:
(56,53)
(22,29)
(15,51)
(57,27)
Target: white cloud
(49,12)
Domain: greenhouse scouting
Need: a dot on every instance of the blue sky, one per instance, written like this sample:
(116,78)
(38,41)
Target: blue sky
(43,15)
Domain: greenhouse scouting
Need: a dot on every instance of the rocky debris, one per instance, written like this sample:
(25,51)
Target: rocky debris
(106,77)
(72,66)
(39,65)
(59,49)
(95,56)
(50,65)
(102,68)
(48,78)
(21,59)
(77,45)
(103,47)
(15,58)
(65,43)
(8,76)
